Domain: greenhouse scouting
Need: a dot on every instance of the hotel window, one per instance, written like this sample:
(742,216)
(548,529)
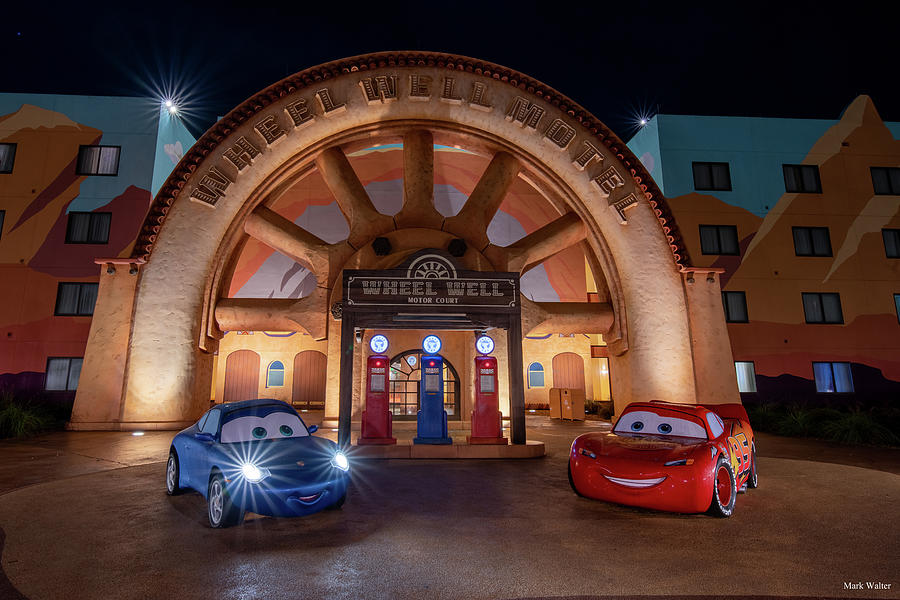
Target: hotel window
(711,176)
(833,377)
(811,241)
(535,375)
(98,160)
(63,374)
(719,239)
(88,228)
(275,374)
(7,157)
(735,304)
(886,180)
(75,299)
(891,239)
(746,376)
(802,179)
(822,308)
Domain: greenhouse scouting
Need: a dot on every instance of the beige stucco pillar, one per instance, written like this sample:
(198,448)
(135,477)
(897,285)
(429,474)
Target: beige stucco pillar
(716,379)
(98,402)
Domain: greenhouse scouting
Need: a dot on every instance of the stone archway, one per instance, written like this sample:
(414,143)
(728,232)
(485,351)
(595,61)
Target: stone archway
(162,317)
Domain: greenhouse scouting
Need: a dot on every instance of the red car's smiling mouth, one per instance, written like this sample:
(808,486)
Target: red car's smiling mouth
(636,483)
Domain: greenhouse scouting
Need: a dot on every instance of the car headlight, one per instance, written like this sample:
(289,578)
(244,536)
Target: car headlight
(339,461)
(252,473)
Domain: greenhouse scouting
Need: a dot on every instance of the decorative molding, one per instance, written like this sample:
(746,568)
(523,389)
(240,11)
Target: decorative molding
(313,78)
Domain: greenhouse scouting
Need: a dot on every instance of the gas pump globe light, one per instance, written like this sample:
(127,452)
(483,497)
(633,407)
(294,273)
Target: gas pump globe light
(378,344)
(484,345)
(431,344)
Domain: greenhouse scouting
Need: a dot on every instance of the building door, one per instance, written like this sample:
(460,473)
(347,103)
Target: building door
(241,376)
(568,371)
(309,380)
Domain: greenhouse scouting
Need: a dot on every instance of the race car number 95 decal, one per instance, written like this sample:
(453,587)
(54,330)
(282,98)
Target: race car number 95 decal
(740,451)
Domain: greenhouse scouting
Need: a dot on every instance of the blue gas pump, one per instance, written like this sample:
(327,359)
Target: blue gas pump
(431,420)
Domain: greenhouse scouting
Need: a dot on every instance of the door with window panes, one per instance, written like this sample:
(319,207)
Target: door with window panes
(405,377)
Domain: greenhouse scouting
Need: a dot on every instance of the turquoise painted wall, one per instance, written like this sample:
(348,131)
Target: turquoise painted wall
(754,148)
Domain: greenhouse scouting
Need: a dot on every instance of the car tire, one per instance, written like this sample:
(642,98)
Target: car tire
(340,503)
(753,479)
(572,481)
(724,492)
(219,508)
(173,474)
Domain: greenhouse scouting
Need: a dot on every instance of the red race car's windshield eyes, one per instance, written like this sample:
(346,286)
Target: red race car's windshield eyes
(663,422)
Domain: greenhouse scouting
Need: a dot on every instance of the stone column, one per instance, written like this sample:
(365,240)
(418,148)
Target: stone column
(716,380)
(98,401)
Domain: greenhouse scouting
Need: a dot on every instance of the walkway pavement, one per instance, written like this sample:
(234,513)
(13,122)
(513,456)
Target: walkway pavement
(84,515)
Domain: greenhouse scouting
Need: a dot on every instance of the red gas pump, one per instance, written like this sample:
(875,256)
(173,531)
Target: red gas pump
(376,418)
(486,418)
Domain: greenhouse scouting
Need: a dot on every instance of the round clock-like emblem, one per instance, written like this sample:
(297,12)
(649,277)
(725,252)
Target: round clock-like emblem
(484,344)
(378,344)
(432,269)
(431,344)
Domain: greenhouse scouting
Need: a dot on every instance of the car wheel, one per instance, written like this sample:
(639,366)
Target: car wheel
(724,490)
(173,473)
(221,510)
(340,502)
(753,480)
(572,481)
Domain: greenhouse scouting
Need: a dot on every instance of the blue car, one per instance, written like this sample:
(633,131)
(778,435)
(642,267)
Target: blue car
(258,456)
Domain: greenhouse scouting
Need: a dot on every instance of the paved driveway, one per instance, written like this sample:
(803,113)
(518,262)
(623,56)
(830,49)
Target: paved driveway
(85,516)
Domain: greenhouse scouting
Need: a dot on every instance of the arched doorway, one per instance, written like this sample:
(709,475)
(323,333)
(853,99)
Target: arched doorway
(568,371)
(405,377)
(241,376)
(310,368)
(665,327)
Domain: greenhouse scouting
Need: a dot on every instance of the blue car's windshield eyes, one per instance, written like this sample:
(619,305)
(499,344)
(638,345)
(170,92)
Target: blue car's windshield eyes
(276,425)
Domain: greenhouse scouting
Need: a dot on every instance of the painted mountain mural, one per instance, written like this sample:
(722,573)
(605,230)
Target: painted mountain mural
(777,337)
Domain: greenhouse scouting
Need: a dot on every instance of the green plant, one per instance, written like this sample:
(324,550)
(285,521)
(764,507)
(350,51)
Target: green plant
(764,417)
(20,418)
(859,427)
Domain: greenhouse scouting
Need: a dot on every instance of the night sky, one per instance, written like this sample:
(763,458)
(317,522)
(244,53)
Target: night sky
(619,60)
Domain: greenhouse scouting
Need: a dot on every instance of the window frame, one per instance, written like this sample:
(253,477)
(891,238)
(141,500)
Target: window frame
(795,230)
(12,160)
(269,371)
(897,306)
(833,378)
(821,296)
(78,160)
(90,222)
(81,285)
(737,294)
(798,176)
(68,372)
(719,229)
(893,191)
(709,165)
(884,240)
(542,372)
(752,370)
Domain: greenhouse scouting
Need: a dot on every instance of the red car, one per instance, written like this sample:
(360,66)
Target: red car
(682,458)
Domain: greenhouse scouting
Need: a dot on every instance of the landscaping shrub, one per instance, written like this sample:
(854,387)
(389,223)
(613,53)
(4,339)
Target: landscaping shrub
(859,427)
(847,425)
(19,418)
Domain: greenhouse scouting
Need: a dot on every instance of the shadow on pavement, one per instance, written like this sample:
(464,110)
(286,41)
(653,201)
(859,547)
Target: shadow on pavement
(7,589)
